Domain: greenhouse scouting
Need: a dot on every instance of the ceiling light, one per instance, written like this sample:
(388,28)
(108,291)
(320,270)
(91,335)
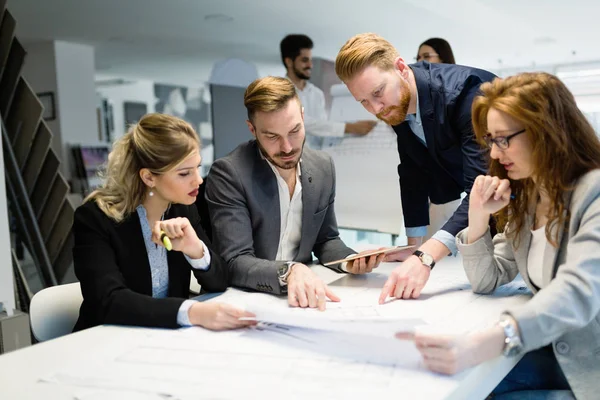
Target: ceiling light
(218,18)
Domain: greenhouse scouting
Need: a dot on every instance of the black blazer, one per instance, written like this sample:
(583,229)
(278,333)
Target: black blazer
(112,266)
(452,159)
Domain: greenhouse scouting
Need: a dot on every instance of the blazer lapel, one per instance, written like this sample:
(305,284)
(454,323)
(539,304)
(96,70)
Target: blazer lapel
(131,236)
(550,252)
(309,205)
(267,195)
(430,128)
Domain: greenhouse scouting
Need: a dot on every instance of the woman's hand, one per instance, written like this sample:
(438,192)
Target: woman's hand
(489,194)
(219,316)
(182,236)
(451,354)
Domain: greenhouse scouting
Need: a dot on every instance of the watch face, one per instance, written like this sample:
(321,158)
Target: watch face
(282,270)
(427,259)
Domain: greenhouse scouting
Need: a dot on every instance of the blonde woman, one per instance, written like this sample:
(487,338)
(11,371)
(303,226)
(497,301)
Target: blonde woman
(127,275)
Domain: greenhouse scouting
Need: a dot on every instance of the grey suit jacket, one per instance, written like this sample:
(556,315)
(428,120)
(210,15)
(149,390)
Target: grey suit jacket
(566,312)
(243,202)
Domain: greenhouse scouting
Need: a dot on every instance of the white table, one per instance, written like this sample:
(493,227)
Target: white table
(21,371)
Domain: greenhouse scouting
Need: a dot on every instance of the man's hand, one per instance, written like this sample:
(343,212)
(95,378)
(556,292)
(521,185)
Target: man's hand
(364,265)
(360,127)
(406,281)
(401,255)
(306,289)
(219,316)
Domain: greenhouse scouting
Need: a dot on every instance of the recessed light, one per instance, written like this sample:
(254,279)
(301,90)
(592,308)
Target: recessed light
(218,18)
(544,40)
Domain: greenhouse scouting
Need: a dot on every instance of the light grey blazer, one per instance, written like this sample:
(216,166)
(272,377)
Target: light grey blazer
(243,202)
(566,312)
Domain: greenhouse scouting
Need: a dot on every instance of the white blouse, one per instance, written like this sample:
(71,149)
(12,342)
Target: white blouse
(535,257)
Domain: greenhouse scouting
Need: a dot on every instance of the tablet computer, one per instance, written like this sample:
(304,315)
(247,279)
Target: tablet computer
(387,250)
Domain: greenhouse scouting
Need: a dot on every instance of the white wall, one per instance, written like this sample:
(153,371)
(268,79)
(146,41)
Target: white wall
(76,96)
(140,91)
(67,70)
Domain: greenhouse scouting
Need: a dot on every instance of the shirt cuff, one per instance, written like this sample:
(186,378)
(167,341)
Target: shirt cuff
(183,317)
(202,263)
(344,265)
(416,231)
(447,239)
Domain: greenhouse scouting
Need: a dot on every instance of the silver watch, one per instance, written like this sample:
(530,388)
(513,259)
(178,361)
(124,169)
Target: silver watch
(513,345)
(283,273)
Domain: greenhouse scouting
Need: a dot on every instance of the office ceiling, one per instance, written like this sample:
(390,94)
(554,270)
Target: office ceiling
(179,40)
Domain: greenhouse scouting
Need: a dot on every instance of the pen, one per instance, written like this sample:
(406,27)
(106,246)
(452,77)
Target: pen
(166,241)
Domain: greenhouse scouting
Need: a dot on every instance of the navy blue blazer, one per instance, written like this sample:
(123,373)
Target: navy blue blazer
(452,159)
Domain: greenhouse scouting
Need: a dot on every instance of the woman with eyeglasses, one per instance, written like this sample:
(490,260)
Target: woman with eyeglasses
(436,50)
(544,188)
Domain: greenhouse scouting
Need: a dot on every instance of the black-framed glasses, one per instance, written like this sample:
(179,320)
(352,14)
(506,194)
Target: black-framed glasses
(502,141)
(426,56)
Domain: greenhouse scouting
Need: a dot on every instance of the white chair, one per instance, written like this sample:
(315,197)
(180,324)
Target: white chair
(53,311)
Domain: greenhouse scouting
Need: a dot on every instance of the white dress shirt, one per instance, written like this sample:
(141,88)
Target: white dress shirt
(535,257)
(316,122)
(291,216)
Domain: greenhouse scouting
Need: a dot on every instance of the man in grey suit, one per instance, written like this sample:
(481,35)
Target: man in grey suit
(271,203)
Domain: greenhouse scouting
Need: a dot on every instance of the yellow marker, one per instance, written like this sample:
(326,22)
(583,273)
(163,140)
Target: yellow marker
(166,241)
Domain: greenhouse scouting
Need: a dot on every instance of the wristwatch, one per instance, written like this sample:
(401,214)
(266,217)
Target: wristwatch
(513,345)
(283,273)
(425,258)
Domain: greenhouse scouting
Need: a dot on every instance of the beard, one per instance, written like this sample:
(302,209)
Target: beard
(302,74)
(397,114)
(276,158)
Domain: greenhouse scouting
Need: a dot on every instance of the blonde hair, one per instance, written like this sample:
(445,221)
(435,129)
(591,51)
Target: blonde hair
(565,145)
(158,142)
(269,94)
(362,51)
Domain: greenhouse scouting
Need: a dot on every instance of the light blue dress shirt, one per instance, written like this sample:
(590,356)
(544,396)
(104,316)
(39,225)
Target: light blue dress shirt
(159,267)
(414,122)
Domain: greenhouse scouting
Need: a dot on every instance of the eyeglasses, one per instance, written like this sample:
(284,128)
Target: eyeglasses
(426,56)
(502,141)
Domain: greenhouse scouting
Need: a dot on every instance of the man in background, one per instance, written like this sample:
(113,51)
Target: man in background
(296,55)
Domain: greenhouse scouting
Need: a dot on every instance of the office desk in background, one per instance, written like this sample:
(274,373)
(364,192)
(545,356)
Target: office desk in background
(138,363)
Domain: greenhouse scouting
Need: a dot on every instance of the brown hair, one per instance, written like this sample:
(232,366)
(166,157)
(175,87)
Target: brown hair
(565,145)
(362,51)
(442,47)
(268,94)
(158,142)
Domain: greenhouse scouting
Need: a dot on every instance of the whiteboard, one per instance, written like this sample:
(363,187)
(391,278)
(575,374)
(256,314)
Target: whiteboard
(368,189)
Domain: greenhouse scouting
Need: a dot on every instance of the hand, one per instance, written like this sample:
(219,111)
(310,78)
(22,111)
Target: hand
(364,265)
(489,194)
(219,316)
(306,289)
(450,354)
(406,281)
(401,255)
(182,235)
(360,127)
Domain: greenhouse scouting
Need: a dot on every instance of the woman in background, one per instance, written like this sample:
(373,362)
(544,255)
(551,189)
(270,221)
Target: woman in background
(127,275)
(436,50)
(544,187)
